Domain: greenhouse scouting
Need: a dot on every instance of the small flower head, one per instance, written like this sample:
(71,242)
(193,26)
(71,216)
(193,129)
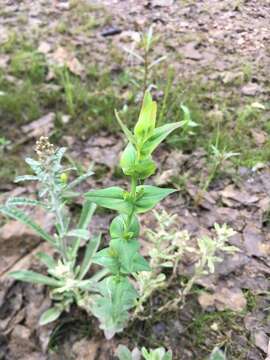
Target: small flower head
(44,148)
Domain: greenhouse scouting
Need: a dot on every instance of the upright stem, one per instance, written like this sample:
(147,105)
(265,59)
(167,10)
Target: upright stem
(133,199)
(145,78)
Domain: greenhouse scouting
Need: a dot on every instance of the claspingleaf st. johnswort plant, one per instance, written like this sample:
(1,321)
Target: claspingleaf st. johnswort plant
(122,257)
(65,278)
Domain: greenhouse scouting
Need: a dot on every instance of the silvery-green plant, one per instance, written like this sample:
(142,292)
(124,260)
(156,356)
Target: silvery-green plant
(217,354)
(168,244)
(208,253)
(123,353)
(65,277)
(122,258)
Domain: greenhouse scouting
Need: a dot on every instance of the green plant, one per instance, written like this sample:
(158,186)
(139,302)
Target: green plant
(187,125)
(169,244)
(107,297)
(29,63)
(123,353)
(217,354)
(145,73)
(65,277)
(4,143)
(122,258)
(218,157)
(75,93)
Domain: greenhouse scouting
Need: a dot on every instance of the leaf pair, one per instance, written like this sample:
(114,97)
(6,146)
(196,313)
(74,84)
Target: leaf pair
(122,257)
(114,198)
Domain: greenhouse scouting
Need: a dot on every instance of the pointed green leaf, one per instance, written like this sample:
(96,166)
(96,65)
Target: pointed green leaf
(123,353)
(50,315)
(86,215)
(118,227)
(128,256)
(128,158)
(35,278)
(125,130)
(131,166)
(90,251)
(19,215)
(110,198)
(151,195)
(105,258)
(147,119)
(46,260)
(79,180)
(158,136)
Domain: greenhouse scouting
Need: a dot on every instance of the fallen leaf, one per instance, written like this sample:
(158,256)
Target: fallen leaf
(252,240)
(261,340)
(238,196)
(251,89)
(162,3)
(260,137)
(86,349)
(40,127)
(224,298)
(44,47)
(62,57)
(189,51)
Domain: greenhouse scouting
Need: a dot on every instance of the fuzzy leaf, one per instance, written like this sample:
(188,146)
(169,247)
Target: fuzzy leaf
(151,195)
(110,198)
(50,315)
(35,278)
(90,251)
(86,215)
(79,180)
(35,166)
(24,201)
(81,233)
(46,260)
(19,215)
(117,296)
(217,354)
(123,353)
(25,178)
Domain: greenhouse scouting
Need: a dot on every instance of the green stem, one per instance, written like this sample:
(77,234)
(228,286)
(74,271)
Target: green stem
(133,199)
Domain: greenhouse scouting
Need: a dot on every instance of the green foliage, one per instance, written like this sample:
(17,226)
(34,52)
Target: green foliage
(65,277)
(122,257)
(217,354)
(109,294)
(123,353)
(30,64)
